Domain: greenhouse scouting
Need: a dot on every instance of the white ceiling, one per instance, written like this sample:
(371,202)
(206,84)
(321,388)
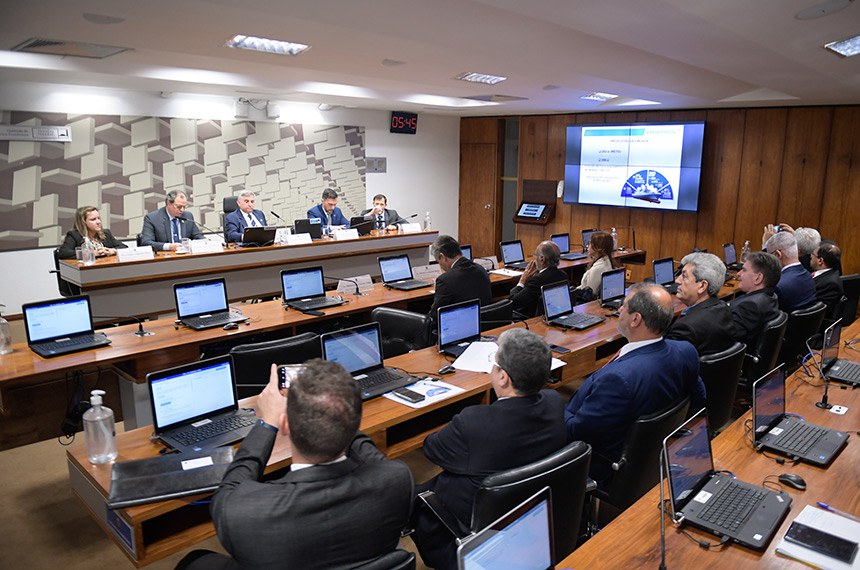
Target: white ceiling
(678,53)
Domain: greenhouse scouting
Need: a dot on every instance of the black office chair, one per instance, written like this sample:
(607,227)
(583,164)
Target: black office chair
(721,373)
(851,289)
(565,472)
(396,560)
(66,288)
(802,324)
(762,357)
(496,314)
(253,362)
(231,204)
(402,331)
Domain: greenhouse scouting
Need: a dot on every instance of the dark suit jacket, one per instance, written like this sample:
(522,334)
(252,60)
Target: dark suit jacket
(828,289)
(235,224)
(389,217)
(464,281)
(706,325)
(796,289)
(326,516)
(750,312)
(526,300)
(337,218)
(75,239)
(156,229)
(641,382)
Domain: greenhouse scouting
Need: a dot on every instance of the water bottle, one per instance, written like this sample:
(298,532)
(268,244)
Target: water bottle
(745,251)
(5,335)
(89,253)
(428,224)
(614,233)
(99,430)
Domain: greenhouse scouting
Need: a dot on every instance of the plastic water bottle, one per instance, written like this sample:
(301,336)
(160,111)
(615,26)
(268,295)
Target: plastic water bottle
(89,253)
(614,233)
(5,335)
(428,223)
(745,251)
(99,430)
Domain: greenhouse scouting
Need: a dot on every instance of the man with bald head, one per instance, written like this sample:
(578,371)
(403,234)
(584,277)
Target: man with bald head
(542,270)
(648,375)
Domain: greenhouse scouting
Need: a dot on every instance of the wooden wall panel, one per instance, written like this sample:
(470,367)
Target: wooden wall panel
(839,211)
(479,186)
(479,130)
(532,166)
(807,140)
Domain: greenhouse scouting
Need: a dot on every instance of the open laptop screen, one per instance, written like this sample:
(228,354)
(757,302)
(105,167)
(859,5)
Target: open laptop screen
(768,400)
(664,271)
(612,285)
(562,241)
(200,298)
(729,253)
(688,456)
(56,319)
(460,322)
(556,299)
(357,349)
(302,283)
(830,349)
(512,251)
(586,237)
(193,391)
(395,268)
(466,251)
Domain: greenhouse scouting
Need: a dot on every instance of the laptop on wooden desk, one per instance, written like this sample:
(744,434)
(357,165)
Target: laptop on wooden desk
(61,326)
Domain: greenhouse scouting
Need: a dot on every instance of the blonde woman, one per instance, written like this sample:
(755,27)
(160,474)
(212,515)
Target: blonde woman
(88,227)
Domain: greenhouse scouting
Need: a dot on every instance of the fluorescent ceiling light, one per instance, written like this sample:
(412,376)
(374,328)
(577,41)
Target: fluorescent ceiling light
(845,48)
(480,78)
(636,103)
(266,45)
(598,96)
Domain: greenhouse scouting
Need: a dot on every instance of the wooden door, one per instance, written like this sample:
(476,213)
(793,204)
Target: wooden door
(480,200)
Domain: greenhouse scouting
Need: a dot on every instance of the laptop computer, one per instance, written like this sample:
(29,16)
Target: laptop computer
(586,237)
(731,257)
(512,255)
(612,288)
(466,251)
(522,539)
(194,406)
(361,225)
(664,274)
(558,310)
(61,326)
(563,243)
(791,436)
(717,502)
(359,350)
(832,366)
(458,326)
(396,273)
(303,289)
(308,226)
(203,305)
(258,236)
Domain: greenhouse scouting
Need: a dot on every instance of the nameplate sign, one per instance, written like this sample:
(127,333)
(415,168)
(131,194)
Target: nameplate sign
(410,228)
(282,235)
(134,253)
(365,283)
(427,272)
(488,263)
(205,246)
(351,233)
(299,239)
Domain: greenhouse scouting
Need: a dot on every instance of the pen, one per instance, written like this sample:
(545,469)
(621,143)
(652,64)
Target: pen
(827,507)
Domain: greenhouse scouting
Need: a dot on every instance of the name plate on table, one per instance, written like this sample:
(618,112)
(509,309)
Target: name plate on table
(427,272)
(299,239)
(282,236)
(206,246)
(488,263)
(351,233)
(135,253)
(413,228)
(347,285)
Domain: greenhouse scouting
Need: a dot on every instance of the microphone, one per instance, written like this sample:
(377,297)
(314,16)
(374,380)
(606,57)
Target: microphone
(276,215)
(364,223)
(182,219)
(662,514)
(357,292)
(823,404)
(140,331)
(508,322)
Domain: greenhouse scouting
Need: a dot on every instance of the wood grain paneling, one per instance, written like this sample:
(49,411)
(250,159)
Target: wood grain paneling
(807,140)
(484,130)
(842,186)
(480,178)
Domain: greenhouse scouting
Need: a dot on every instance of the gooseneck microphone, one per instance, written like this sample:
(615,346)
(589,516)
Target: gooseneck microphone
(210,230)
(357,292)
(276,215)
(662,513)
(140,331)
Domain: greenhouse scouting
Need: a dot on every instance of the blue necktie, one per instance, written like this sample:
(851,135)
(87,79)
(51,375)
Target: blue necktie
(379,222)
(176,238)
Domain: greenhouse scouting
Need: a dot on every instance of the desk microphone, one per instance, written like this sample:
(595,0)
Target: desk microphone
(508,322)
(823,404)
(662,514)
(357,292)
(210,230)
(276,215)
(140,331)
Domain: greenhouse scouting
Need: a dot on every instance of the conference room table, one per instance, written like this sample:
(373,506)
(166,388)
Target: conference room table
(632,540)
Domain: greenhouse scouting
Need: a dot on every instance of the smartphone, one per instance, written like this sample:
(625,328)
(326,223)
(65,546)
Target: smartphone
(408,395)
(286,374)
(559,349)
(820,541)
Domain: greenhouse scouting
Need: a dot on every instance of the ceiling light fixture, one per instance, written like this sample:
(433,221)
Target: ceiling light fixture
(845,48)
(598,96)
(266,45)
(480,78)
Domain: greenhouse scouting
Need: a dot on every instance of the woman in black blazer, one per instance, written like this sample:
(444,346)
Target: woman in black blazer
(88,223)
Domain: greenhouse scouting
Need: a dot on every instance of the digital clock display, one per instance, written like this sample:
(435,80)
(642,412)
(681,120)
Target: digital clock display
(403,122)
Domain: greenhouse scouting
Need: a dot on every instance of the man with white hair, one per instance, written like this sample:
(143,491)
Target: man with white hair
(245,216)
(808,240)
(796,289)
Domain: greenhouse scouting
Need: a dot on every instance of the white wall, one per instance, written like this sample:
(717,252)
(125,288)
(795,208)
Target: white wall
(423,169)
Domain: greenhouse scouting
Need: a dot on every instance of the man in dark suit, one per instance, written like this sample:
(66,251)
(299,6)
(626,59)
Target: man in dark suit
(542,270)
(327,211)
(165,228)
(341,505)
(795,289)
(648,375)
(523,425)
(758,305)
(707,321)
(236,221)
(461,280)
(382,218)
(827,262)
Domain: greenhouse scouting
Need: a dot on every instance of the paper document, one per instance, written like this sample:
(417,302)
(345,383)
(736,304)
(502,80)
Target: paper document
(507,272)
(433,391)
(476,358)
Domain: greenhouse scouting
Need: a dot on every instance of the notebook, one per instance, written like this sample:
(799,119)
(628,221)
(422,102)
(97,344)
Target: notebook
(664,274)
(563,243)
(612,288)
(522,539)
(512,255)
(832,366)
(459,325)
(194,406)
(397,273)
(717,502)
(586,237)
(258,236)
(359,350)
(731,256)
(558,310)
(61,326)
(361,225)
(308,226)
(466,251)
(303,289)
(203,305)
(791,436)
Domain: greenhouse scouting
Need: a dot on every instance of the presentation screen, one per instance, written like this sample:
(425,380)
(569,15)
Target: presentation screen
(640,165)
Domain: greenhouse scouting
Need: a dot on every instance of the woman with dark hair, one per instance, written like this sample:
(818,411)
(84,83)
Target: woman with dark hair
(600,260)
(88,228)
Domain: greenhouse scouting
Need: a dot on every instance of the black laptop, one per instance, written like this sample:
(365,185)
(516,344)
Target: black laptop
(303,290)
(459,325)
(359,350)
(664,274)
(563,243)
(832,366)
(558,310)
(717,502)
(194,406)
(203,305)
(466,251)
(512,255)
(612,288)
(361,225)
(730,254)
(309,226)
(396,273)
(61,326)
(258,236)
(788,435)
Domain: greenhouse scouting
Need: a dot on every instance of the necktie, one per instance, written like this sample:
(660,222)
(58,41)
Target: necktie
(176,238)
(379,221)
(252,221)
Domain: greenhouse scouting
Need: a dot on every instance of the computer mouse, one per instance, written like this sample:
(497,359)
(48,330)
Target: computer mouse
(448,369)
(231,326)
(793,480)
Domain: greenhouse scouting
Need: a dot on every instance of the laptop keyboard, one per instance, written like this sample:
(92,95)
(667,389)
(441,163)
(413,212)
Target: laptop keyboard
(573,256)
(82,340)
(580,320)
(377,378)
(799,437)
(849,371)
(315,303)
(732,506)
(213,321)
(212,429)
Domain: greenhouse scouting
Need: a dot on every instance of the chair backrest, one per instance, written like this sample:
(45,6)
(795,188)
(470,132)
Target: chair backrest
(395,560)
(802,324)
(565,472)
(638,469)
(833,313)
(496,314)
(851,289)
(763,358)
(65,288)
(253,362)
(721,372)
(231,204)
(402,331)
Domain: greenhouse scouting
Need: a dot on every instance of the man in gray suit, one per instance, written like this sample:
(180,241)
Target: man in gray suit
(342,504)
(381,216)
(165,228)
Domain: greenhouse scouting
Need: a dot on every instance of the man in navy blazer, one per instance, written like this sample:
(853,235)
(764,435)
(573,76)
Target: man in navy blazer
(648,375)
(236,221)
(758,304)
(827,262)
(165,228)
(461,279)
(328,212)
(796,289)
(381,216)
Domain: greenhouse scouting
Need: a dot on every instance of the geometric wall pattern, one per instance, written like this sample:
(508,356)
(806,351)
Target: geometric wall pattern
(124,165)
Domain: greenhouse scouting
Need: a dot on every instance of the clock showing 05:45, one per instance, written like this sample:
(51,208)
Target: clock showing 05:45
(403,122)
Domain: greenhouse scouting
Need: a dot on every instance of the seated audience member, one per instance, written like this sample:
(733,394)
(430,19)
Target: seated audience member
(88,228)
(461,278)
(165,228)
(542,270)
(648,375)
(600,261)
(341,504)
(827,263)
(383,218)
(808,240)
(236,221)
(327,211)
(707,321)
(795,289)
(758,305)
(523,425)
